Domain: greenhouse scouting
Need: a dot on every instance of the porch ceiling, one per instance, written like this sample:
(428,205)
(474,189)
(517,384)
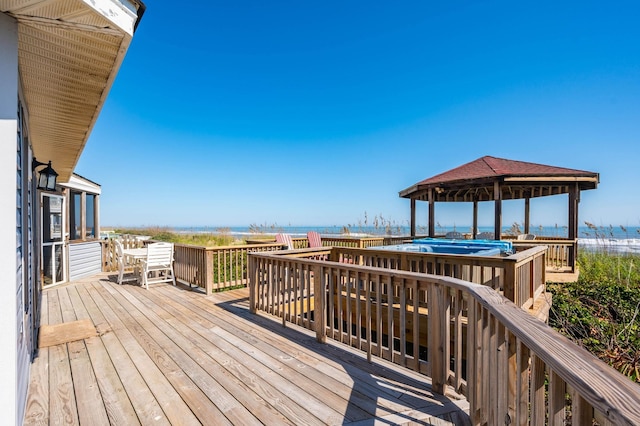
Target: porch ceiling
(484,191)
(69,52)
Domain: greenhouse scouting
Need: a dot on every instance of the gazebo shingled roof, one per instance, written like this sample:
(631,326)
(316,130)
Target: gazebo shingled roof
(496,179)
(474,181)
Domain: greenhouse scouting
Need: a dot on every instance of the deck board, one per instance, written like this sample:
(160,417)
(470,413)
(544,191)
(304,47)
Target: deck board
(324,377)
(169,355)
(89,402)
(141,401)
(116,407)
(195,385)
(247,351)
(163,372)
(37,410)
(62,402)
(245,385)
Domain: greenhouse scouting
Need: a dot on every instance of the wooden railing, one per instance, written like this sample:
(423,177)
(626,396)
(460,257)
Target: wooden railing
(512,368)
(364,242)
(215,268)
(561,253)
(302,242)
(211,268)
(355,242)
(220,267)
(520,277)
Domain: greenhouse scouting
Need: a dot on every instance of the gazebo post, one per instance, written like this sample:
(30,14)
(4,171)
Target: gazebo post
(413,217)
(497,196)
(526,214)
(432,214)
(574,200)
(475,219)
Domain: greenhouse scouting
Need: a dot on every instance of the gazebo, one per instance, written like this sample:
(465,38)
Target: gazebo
(497,179)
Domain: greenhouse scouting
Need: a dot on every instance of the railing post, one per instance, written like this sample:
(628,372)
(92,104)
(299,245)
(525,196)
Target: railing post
(512,377)
(105,245)
(509,284)
(319,301)
(253,283)
(544,268)
(556,401)
(581,411)
(404,262)
(537,390)
(333,255)
(473,373)
(437,322)
(208,272)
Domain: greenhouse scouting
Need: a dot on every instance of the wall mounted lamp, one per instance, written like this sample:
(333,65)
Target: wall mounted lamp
(48,176)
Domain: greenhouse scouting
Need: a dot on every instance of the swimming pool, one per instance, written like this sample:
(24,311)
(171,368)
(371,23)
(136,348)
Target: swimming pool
(437,245)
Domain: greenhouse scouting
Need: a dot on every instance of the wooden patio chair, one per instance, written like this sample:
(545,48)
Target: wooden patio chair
(526,237)
(454,235)
(125,266)
(314,239)
(486,236)
(158,264)
(285,239)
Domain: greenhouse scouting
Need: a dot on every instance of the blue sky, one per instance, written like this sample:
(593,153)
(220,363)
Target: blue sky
(300,113)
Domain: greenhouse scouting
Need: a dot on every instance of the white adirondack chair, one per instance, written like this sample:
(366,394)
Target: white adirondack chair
(124,265)
(157,267)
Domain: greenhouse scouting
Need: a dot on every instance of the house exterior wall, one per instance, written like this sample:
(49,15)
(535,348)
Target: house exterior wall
(20,228)
(25,287)
(85,259)
(13,347)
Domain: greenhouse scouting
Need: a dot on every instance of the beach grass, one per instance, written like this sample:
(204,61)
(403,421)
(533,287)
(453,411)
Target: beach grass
(601,311)
(222,236)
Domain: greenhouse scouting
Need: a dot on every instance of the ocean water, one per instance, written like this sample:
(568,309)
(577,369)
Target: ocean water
(609,238)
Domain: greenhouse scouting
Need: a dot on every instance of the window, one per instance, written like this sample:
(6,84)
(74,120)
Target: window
(82,215)
(90,216)
(75,220)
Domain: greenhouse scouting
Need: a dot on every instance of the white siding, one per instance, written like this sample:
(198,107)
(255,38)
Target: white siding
(85,259)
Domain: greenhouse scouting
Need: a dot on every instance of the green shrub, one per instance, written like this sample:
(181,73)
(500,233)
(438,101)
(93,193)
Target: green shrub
(601,311)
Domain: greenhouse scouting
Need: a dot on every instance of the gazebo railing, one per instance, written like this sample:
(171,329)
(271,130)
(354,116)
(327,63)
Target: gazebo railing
(561,253)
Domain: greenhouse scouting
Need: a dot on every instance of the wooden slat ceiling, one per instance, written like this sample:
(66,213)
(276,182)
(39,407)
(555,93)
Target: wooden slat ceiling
(484,192)
(68,56)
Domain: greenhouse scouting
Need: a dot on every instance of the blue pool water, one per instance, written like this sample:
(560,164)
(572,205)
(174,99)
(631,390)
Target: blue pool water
(437,245)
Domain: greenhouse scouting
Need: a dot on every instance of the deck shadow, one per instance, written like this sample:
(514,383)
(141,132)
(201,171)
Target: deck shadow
(379,377)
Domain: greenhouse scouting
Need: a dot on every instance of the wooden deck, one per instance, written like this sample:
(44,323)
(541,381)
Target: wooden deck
(169,355)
